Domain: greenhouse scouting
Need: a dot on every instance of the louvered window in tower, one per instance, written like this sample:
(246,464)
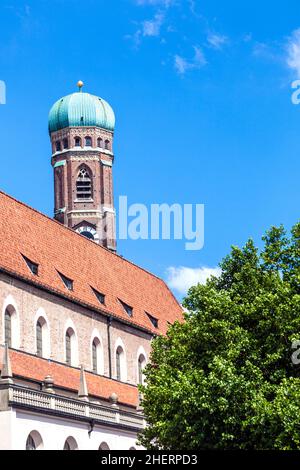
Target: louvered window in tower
(84,185)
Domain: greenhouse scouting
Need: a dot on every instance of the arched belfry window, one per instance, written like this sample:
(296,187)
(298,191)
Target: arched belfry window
(99,142)
(88,141)
(107,145)
(77,142)
(84,184)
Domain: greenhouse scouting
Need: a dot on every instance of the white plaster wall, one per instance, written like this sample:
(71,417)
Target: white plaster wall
(16,425)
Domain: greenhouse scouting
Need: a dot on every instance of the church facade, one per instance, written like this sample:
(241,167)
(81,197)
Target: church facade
(76,319)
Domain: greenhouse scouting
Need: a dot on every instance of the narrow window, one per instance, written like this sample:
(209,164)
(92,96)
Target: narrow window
(141,365)
(68,347)
(99,142)
(88,141)
(34,267)
(39,338)
(118,362)
(67,281)
(107,145)
(127,308)
(66,143)
(58,146)
(77,142)
(84,185)
(7,327)
(94,351)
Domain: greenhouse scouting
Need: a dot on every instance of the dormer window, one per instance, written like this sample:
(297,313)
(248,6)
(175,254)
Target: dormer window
(34,267)
(127,308)
(88,141)
(153,320)
(100,297)
(67,281)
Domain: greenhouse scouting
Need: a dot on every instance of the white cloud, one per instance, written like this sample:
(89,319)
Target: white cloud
(182,278)
(293,52)
(163,3)
(182,65)
(216,41)
(152,27)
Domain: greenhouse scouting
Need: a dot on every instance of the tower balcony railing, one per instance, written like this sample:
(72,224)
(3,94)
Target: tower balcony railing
(50,403)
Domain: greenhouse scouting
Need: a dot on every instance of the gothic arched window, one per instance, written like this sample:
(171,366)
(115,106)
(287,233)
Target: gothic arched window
(69,333)
(71,351)
(7,327)
(42,338)
(141,365)
(84,185)
(88,141)
(94,353)
(39,338)
(120,366)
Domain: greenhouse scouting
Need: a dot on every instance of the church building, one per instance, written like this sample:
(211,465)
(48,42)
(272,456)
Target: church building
(76,319)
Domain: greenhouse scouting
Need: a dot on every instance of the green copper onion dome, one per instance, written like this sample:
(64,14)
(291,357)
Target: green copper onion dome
(81,110)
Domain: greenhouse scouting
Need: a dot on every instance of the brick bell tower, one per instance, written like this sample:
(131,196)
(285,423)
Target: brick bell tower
(81,128)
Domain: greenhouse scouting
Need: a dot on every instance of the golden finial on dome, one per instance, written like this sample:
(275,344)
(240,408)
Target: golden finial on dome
(80,85)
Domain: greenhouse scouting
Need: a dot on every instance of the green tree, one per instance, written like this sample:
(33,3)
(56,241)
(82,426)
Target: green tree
(224,378)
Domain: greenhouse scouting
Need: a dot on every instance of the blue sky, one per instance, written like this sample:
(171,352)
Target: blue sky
(202,96)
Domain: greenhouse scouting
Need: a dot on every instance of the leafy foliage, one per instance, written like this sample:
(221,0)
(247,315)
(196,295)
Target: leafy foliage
(224,378)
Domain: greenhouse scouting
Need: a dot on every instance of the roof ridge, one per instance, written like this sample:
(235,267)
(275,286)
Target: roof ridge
(87,239)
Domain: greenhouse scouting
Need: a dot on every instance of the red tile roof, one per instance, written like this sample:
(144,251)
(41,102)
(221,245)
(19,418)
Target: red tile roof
(56,248)
(30,367)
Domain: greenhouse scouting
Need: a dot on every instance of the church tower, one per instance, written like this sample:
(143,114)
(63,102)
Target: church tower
(81,128)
